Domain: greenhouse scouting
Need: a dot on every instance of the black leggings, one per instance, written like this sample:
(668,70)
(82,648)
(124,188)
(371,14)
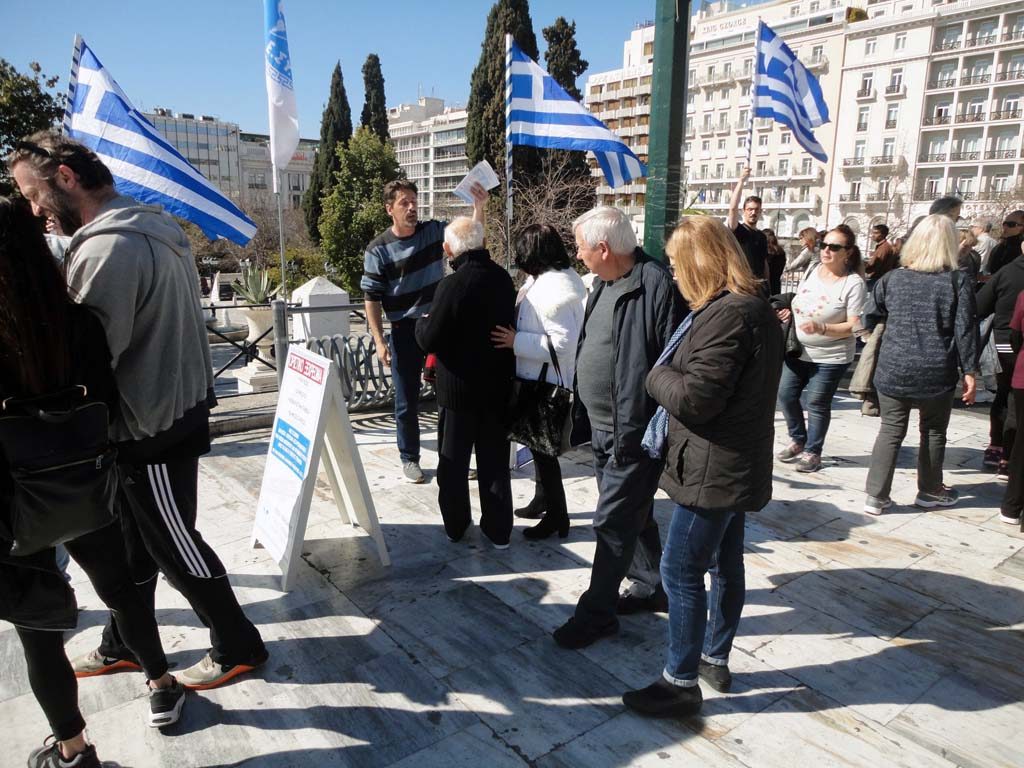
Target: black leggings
(549,489)
(101,555)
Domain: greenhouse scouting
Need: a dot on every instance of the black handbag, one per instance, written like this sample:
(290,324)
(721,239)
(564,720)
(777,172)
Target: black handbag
(62,468)
(793,346)
(539,411)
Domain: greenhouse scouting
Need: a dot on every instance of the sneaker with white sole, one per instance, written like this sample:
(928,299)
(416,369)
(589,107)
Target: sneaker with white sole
(207,673)
(875,506)
(49,756)
(492,542)
(165,704)
(944,497)
(1009,519)
(790,453)
(808,462)
(95,663)
(413,473)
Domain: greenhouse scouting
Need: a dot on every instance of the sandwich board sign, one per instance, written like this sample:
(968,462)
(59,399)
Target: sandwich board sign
(311,428)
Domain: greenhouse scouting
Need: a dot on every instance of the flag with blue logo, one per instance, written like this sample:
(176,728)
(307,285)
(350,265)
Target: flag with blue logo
(539,113)
(786,92)
(144,164)
(284,115)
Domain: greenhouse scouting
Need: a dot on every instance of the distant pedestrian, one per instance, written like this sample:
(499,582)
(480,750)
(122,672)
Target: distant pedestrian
(982,229)
(883,258)
(776,262)
(1008,247)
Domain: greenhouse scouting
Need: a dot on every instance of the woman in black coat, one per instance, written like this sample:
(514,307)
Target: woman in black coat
(719,393)
(48,343)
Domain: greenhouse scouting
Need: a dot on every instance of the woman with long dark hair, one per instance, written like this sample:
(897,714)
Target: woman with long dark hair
(48,343)
(776,262)
(549,318)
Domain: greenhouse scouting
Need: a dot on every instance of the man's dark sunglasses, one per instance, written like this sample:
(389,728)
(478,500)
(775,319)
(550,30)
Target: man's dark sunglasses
(834,247)
(1011,223)
(28,146)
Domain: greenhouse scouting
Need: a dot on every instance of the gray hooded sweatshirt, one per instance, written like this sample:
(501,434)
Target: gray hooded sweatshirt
(133,267)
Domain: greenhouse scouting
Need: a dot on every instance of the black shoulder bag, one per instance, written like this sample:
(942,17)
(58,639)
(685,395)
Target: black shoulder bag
(539,410)
(62,468)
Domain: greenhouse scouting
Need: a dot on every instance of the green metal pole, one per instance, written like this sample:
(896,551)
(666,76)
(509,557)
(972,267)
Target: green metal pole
(668,110)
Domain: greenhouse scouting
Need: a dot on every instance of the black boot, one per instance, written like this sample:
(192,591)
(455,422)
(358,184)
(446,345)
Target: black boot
(662,699)
(717,676)
(532,511)
(550,524)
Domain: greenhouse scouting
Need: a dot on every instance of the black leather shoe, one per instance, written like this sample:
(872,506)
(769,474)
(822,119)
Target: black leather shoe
(655,603)
(717,676)
(662,699)
(575,634)
(532,511)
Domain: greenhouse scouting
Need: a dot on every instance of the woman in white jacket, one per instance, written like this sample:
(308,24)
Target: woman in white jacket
(549,317)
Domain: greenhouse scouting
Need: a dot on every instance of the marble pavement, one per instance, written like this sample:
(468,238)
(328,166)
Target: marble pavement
(894,641)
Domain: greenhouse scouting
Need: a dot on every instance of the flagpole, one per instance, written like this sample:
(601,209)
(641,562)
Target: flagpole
(508,151)
(280,234)
(76,58)
(753,92)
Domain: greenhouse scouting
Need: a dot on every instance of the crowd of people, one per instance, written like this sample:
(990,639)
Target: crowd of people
(674,372)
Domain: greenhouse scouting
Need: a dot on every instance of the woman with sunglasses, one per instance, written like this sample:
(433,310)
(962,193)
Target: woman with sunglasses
(825,310)
(1008,247)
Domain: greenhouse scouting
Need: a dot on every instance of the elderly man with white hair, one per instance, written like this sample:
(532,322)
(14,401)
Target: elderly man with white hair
(631,313)
(982,229)
(473,383)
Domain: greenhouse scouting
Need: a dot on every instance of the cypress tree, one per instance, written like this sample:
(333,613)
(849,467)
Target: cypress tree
(335,129)
(375,109)
(485,125)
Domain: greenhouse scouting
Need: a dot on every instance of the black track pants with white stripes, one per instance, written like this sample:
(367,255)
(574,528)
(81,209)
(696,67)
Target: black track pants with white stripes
(158,518)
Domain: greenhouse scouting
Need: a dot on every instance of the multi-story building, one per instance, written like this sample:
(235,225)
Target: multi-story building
(237,163)
(932,94)
(430,144)
(718,130)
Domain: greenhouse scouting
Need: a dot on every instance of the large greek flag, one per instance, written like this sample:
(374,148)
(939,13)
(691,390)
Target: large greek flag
(144,164)
(786,92)
(539,113)
(284,115)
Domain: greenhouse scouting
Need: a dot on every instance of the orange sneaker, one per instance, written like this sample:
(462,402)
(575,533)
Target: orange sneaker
(206,673)
(95,663)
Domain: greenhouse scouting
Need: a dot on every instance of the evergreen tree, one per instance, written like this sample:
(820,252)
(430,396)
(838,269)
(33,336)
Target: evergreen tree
(485,125)
(566,65)
(335,129)
(26,106)
(375,109)
(354,210)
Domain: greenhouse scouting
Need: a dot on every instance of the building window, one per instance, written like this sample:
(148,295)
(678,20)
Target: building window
(785,138)
(889,147)
(805,166)
(883,186)
(783,167)
(794,10)
(896,78)
(862,118)
(867,82)
(742,142)
(762,140)
(854,190)
(817,53)
(721,145)
(859,148)
(901,41)
(745,90)
(892,114)
(813,6)
(762,166)
(870,45)
(649,48)
(705,146)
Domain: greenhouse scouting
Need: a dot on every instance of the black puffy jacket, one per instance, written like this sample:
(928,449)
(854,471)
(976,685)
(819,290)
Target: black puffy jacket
(719,391)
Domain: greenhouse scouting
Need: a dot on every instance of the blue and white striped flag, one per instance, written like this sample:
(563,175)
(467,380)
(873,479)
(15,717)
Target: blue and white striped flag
(144,164)
(539,113)
(284,115)
(786,92)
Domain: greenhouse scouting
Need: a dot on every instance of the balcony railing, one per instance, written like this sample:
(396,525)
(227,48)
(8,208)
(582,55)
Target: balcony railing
(883,160)
(865,93)
(982,40)
(935,157)
(890,123)
(1001,154)
(971,117)
(927,194)
(852,197)
(976,79)
(1006,114)
(937,120)
(862,126)
(947,45)
(853,162)
(741,125)
(942,82)
(968,195)
(895,89)
(1010,74)
(1012,34)
(877,197)
(961,156)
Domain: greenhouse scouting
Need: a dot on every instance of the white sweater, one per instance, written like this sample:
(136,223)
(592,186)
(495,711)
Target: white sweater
(553,304)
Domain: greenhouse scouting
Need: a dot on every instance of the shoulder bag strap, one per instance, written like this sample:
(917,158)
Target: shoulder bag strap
(554,363)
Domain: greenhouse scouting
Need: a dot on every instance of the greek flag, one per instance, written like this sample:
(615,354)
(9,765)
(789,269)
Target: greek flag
(786,92)
(284,115)
(144,164)
(539,113)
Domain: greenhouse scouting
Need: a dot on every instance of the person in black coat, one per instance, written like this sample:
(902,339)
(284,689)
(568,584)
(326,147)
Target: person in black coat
(719,393)
(474,382)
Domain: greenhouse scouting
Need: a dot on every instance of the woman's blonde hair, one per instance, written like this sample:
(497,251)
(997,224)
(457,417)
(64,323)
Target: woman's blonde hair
(707,260)
(933,245)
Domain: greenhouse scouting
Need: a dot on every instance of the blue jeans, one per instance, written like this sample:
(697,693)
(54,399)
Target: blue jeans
(701,542)
(820,381)
(406,370)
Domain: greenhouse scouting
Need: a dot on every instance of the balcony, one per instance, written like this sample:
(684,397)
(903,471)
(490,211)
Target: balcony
(925,195)
(968,195)
(959,157)
(1006,114)
(866,93)
(862,127)
(853,162)
(896,89)
(977,40)
(889,124)
(942,82)
(722,78)
(815,62)
(937,120)
(883,160)
(763,123)
(707,129)
(947,45)
(877,197)
(935,157)
(1001,154)
(1010,75)
(853,197)
(976,79)
(1012,34)
(745,74)
(725,127)
(971,117)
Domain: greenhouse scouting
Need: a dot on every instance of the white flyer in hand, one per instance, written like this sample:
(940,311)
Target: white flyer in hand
(481,174)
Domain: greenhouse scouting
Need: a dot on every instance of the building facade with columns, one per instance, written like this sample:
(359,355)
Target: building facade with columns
(430,144)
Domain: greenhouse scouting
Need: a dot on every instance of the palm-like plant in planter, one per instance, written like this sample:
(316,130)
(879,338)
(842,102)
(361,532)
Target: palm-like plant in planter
(255,288)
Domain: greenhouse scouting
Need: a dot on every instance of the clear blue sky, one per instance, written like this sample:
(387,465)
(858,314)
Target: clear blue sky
(207,57)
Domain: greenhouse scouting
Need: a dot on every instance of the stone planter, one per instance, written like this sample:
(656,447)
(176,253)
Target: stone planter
(256,376)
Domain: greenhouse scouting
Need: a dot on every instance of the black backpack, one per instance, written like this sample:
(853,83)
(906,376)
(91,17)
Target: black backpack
(62,468)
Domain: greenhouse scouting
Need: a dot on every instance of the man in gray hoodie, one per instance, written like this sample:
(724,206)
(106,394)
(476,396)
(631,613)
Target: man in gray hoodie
(132,265)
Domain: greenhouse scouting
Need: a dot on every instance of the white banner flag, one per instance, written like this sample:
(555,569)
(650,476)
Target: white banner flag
(284,115)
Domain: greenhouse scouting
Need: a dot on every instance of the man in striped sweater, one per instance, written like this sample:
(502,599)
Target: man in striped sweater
(401,268)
